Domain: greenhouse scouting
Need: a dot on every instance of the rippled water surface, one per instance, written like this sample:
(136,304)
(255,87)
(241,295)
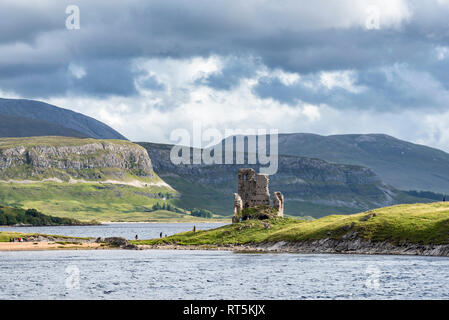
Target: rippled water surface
(163,274)
(125,230)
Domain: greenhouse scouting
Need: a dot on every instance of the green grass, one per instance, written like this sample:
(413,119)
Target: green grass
(91,201)
(24,186)
(198,195)
(415,223)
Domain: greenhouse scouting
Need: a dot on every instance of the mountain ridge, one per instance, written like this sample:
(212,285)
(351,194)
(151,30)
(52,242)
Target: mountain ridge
(402,164)
(38,110)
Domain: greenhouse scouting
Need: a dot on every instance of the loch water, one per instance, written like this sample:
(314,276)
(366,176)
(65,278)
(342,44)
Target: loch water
(200,274)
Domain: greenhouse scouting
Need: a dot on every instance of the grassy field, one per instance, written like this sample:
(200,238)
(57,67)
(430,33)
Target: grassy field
(92,201)
(416,223)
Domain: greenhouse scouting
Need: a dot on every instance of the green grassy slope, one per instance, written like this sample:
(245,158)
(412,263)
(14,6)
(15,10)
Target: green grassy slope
(416,223)
(88,201)
(12,216)
(103,180)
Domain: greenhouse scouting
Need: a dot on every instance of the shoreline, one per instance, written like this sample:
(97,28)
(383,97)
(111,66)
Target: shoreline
(323,246)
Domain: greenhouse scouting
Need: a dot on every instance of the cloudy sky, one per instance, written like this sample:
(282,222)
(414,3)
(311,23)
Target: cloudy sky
(149,67)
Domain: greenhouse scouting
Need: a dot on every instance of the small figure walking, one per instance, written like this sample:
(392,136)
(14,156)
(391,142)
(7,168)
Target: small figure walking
(194,228)
(160,236)
(137,238)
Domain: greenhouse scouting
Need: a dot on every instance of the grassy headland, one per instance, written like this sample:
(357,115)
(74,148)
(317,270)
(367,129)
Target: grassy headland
(414,223)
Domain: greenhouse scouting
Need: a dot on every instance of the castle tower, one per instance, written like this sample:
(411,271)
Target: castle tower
(253,188)
(253,191)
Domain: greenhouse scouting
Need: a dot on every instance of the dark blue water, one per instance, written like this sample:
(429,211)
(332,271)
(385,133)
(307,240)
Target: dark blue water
(163,274)
(125,230)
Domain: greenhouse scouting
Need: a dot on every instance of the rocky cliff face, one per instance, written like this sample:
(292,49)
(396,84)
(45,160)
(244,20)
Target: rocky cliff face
(91,159)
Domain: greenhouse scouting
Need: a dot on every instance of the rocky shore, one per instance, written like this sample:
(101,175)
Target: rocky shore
(49,242)
(323,246)
(329,246)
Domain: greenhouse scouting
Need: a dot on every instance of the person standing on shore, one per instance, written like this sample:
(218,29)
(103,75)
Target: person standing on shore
(160,236)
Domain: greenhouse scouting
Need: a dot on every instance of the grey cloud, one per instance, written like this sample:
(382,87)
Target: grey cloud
(288,38)
(229,76)
(390,89)
(151,83)
(102,78)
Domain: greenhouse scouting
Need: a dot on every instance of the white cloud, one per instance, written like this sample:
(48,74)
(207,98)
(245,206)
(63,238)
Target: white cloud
(344,79)
(442,52)
(287,78)
(77,71)
(142,118)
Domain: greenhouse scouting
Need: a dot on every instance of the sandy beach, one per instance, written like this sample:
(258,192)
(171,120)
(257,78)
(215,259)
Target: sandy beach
(46,245)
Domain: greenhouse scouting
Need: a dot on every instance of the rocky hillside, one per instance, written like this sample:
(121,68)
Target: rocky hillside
(404,165)
(40,158)
(36,118)
(310,186)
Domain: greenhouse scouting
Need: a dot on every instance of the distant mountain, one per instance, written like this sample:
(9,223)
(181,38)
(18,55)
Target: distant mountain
(312,187)
(15,126)
(402,164)
(56,121)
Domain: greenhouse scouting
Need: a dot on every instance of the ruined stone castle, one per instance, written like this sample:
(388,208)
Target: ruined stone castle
(253,192)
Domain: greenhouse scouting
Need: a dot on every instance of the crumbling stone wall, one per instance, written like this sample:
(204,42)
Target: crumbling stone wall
(253,188)
(238,206)
(278,203)
(253,191)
